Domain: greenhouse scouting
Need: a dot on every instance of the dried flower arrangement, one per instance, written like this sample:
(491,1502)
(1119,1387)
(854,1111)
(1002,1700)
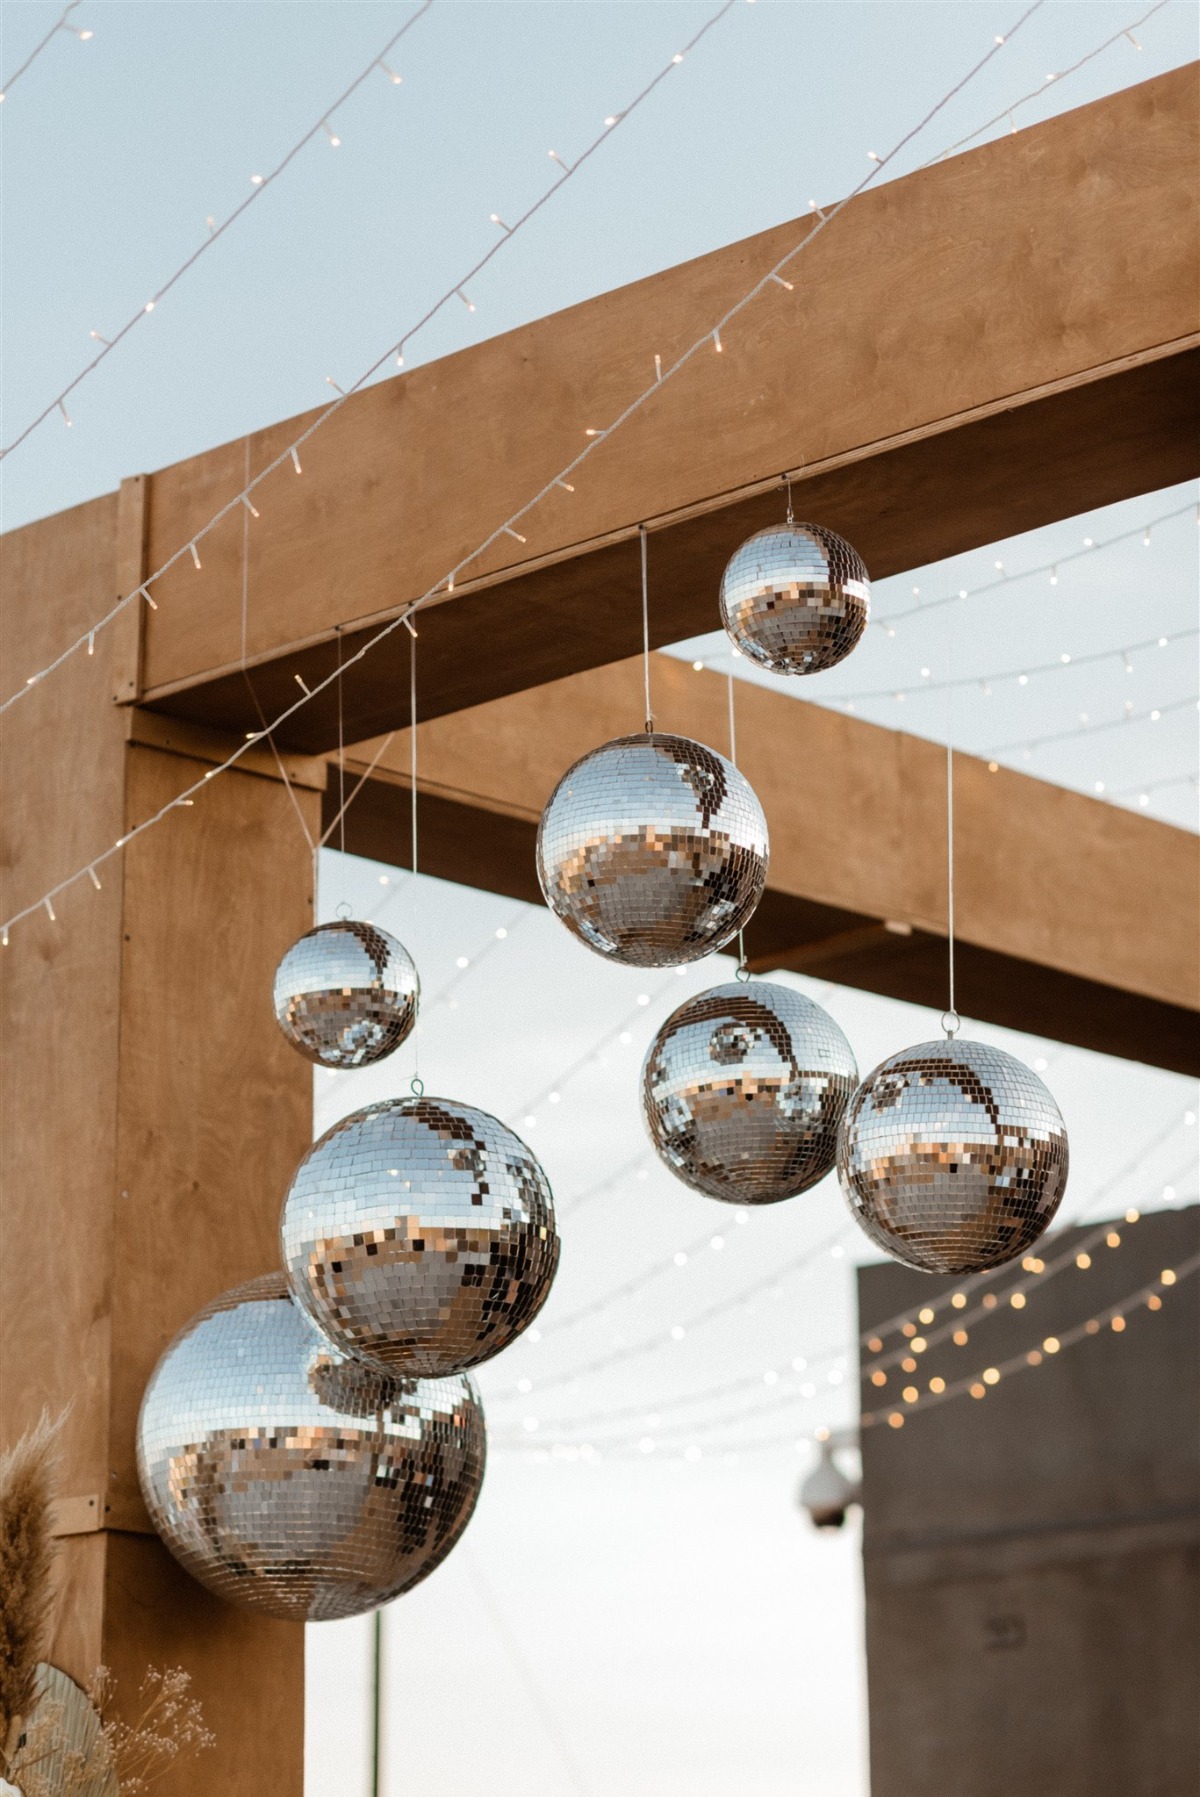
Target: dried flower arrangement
(55,1739)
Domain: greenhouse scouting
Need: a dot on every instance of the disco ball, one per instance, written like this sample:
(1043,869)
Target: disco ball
(420,1234)
(795,598)
(289,1477)
(653,850)
(953,1157)
(743,1091)
(346,994)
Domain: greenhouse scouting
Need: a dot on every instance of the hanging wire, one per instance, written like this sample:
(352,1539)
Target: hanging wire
(743,971)
(341,752)
(412,727)
(358,786)
(259,187)
(377,1704)
(600,437)
(646,632)
(787,479)
(951,1022)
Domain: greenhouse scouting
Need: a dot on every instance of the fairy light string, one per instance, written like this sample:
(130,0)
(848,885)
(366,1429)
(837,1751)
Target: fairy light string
(1076,1254)
(62,23)
(1022,673)
(874,1337)
(907,1321)
(646,630)
(1152,716)
(1038,93)
(264,732)
(1150,1295)
(1006,581)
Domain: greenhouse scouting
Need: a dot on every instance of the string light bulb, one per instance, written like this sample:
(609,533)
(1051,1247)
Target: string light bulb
(257,180)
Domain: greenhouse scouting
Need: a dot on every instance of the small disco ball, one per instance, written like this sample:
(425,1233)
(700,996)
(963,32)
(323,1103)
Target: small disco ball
(419,1233)
(290,1478)
(795,598)
(953,1157)
(346,994)
(743,1091)
(653,850)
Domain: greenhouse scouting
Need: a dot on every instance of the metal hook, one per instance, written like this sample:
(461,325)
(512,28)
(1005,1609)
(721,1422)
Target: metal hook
(951,1024)
(416,1086)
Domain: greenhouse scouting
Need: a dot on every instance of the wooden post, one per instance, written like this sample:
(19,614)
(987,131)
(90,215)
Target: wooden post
(153,1116)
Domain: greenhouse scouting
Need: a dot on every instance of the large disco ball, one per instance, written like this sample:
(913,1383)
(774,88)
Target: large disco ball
(289,1477)
(420,1233)
(743,1091)
(653,850)
(795,598)
(953,1157)
(346,994)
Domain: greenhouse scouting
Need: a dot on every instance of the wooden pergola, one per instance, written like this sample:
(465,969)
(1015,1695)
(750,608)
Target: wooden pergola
(1002,340)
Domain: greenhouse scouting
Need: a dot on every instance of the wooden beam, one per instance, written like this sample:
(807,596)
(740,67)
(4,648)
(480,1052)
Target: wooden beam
(153,1116)
(1003,339)
(128,627)
(1051,886)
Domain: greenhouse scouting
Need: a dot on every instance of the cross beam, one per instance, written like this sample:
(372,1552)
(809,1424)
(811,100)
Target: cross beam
(1000,340)
(1050,886)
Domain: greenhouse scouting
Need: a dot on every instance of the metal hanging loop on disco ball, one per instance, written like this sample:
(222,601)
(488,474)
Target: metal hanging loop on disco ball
(795,598)
(743,1092)
(420,1234)
(290,1478)
(953,1157)
(653,850)
(346,994)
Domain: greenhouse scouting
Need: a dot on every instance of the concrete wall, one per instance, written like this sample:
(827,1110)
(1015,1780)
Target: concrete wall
(1032,1560)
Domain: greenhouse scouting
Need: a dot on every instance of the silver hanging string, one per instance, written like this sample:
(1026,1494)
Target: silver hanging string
(787,481)
(341,751)
(646,632)
(416,1085)
(412,739)
(743,972)
(951,1022)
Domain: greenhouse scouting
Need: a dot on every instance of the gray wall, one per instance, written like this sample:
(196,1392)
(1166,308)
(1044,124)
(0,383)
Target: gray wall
(1032,1560)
